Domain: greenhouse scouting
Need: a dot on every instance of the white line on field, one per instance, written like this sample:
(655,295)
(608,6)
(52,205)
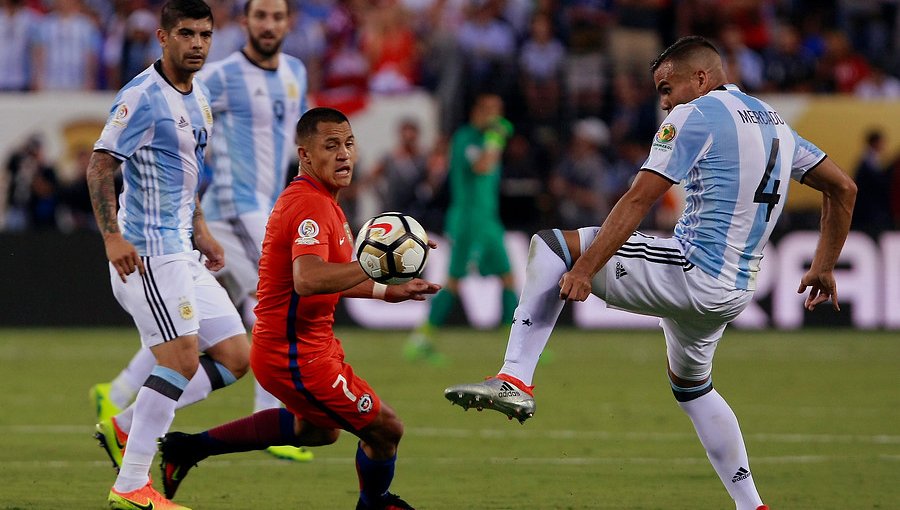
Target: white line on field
(565,461)
(515,431)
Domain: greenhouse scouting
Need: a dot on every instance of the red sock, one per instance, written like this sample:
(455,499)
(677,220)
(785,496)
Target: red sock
(269,427)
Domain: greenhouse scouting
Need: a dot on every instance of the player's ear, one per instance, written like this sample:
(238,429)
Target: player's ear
(303,154)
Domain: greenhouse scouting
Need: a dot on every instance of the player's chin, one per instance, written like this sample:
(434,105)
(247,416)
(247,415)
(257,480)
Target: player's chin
(193,64)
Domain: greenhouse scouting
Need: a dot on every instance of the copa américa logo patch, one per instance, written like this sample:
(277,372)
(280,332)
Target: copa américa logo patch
(307,232)
(120,115)
(666,133)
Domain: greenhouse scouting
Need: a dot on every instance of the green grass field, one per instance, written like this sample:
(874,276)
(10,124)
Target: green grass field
(820,411)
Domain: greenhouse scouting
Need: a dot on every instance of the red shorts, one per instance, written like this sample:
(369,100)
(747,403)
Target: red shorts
(324,392)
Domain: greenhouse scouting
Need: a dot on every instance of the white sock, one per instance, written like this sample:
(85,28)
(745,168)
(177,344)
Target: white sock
(262,399)
(153,413)
(539,307)
(718,430)
(197,389)
(126,385)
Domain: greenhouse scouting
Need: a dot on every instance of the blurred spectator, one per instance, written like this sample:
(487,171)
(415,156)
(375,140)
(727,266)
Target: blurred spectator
(229,33)
(18,38)
(75,209)
(841,68)
(345,70)
(31,200)
(743,65)
(789,67)
(541,63)
(489,50)
(390,45)
(698,17)
(586,65)
(442,63)
(634,40)
(523,201)
(633,108)
(579,181)
(135,42)
(755,18)
(878,85)
(396,178)
(306,41)
(872,213)
(68,45)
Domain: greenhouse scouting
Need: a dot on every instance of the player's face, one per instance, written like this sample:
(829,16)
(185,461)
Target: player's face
(267,23)
(186,46)
(675,86)
(488,109)
(330,155)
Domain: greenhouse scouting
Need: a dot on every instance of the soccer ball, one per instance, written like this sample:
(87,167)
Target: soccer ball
(392,248)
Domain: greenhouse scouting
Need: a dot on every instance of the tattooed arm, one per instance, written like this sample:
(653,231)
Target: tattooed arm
(205,242)
(101,184)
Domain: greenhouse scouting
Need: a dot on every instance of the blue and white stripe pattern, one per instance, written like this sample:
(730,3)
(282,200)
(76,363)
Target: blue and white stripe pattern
(735,155)
(256,111)
(68,42)
(160,134)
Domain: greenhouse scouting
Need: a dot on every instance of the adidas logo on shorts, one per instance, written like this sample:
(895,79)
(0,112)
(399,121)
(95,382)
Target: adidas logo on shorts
(620,270)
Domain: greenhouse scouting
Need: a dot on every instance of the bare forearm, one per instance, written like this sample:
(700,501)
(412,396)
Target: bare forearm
(837,211)
(618,227)
(312,276)
(102,188)
(198,221)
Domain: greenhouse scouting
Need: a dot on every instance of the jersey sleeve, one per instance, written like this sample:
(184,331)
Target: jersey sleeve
(129,125)
(682,139)
(806,157)
(309,223)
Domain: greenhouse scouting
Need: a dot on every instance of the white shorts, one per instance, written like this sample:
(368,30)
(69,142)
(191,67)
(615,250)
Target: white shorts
(650,276)
(175,297)
(241,238)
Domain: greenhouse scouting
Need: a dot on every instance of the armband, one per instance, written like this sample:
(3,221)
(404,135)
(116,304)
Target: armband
(379,290)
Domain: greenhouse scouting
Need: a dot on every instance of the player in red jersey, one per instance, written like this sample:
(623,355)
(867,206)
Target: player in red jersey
(306,267)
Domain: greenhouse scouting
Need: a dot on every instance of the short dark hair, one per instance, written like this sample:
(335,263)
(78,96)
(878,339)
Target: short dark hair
(682,49)
(288,3)
(176,10)
(308,125)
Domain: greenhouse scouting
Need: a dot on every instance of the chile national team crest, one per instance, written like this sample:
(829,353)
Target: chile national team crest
(365,403)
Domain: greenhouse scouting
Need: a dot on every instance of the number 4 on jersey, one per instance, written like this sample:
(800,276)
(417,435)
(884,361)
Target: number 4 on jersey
(762,196)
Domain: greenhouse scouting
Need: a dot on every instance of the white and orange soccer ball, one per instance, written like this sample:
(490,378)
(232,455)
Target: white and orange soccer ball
(392,248)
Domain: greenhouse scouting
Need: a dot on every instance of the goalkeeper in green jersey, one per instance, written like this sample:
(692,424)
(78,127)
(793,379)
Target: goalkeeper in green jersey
(473,218)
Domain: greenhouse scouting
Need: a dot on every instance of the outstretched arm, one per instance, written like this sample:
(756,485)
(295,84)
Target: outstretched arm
(102,188)
(838,197)
(627,214)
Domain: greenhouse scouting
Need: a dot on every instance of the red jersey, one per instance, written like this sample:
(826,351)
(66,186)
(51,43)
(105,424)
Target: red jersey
(306,220)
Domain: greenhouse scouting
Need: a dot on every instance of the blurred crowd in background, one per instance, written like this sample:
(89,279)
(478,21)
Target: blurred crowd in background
(573,75)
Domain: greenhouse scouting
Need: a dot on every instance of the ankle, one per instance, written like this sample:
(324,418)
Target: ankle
(518,383)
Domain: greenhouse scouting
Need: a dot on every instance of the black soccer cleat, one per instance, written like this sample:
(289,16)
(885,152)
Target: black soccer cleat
(177,455)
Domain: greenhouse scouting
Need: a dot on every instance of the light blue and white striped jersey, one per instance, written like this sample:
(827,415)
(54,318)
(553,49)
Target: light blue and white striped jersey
(735,155)
(160,134)
(256,112)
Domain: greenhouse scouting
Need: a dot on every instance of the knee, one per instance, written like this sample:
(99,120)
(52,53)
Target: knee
(240,367)
(319,437)
(385,434)
(560,243)
(233,354)
(330,436)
